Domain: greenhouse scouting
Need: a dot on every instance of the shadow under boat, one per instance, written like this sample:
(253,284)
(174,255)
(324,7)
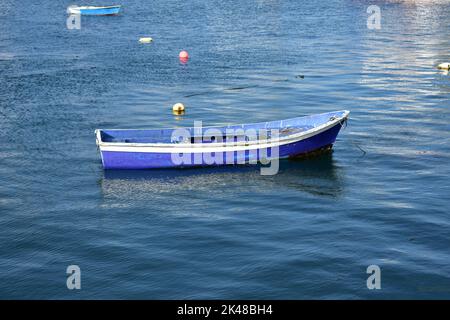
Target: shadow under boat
(317,175)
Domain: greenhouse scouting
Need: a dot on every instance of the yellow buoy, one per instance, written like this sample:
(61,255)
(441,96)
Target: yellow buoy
(178,108)
(145,40)
(444,66)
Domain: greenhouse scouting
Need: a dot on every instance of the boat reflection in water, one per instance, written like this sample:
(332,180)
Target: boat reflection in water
(318,176)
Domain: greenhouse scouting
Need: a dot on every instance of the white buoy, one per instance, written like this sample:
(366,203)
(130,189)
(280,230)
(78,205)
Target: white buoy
(178,108)
(444,66)
(145,40)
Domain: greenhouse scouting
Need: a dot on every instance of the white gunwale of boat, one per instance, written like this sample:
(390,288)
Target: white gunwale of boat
(215,146)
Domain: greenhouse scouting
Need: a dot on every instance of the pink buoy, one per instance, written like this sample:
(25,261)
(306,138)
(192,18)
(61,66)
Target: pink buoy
(184,55)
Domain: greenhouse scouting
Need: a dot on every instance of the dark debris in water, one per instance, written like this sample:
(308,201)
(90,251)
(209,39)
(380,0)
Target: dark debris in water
(213,91)
(197,94)
(280,80)
(300,76)
(240,88)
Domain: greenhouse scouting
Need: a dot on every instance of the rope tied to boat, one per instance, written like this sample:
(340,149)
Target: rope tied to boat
(343,122)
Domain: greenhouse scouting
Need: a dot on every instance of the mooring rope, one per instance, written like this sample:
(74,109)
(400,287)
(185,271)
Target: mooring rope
(343,126)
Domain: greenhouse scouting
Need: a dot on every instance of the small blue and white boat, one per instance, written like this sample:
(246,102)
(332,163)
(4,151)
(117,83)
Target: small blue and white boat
(94,11)
(205,146)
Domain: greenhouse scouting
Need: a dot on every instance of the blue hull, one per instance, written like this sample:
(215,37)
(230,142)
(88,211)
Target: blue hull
(100,12)
(146,160)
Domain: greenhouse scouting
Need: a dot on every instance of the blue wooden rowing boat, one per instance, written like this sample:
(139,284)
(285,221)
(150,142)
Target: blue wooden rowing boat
(94,11)
(204,146)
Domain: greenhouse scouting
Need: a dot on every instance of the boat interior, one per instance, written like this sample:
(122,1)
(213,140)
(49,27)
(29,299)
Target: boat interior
(244,132)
